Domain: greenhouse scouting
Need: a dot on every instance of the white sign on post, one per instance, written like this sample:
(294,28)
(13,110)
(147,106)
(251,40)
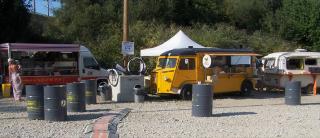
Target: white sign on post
(127,48)
(206,61)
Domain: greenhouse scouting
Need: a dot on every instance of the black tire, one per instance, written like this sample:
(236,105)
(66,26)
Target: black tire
(269,89)
(259,86)
(186,92)
(246,88)
(308,89)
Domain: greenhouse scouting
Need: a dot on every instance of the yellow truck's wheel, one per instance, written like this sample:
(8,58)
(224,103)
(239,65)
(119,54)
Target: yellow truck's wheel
(246,88)
(186,92)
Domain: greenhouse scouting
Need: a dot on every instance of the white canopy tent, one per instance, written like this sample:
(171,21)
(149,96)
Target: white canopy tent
(180,40)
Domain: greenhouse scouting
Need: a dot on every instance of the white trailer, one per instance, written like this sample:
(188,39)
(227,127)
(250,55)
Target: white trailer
(300,65)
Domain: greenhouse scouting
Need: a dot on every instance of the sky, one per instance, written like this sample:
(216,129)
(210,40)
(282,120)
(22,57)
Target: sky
(41,6)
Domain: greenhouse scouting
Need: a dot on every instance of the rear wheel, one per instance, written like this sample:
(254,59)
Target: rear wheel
(246,88)
(308,89)
(186,92)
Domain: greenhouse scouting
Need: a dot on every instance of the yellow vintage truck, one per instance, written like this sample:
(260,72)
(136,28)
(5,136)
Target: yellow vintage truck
(231,70)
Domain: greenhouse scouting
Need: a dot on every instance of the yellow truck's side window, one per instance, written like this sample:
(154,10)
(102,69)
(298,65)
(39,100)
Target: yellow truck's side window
(187,64)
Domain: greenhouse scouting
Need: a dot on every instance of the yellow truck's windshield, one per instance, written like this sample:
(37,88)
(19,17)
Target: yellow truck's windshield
(167,62)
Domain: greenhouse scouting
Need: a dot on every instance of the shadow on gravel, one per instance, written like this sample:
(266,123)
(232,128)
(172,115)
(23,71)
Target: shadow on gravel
(8,118)
(233,114)
(167,110)
(81,117)
(254,95)
(233,95)
(98,110)
(3,102)
(155,98)
(310,103)
(13,109)
(105,102)
(246,105)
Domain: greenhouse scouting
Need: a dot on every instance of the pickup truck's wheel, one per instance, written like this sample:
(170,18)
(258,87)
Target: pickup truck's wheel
(186,92)
(246,88)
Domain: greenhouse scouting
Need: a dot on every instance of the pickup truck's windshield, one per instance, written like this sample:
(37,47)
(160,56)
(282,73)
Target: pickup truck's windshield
(167,62)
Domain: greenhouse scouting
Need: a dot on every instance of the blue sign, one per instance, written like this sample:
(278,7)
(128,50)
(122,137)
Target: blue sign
(127,48)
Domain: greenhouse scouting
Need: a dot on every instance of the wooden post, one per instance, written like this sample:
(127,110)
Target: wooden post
(48,4)
(34,6)
(125,28)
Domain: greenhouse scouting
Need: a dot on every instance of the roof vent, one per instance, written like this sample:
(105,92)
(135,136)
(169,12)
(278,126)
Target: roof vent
(300,50)
(190,46)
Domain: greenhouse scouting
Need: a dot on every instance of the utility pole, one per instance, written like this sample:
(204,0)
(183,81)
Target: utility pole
(48,4)
(34,6)
(125,29)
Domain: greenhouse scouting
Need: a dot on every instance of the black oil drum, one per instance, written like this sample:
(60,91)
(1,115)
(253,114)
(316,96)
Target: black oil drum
(76,97)
(139,94)
(34,94)
(293,93)
(91,91)
(55,103)
(105,92)
(202,100)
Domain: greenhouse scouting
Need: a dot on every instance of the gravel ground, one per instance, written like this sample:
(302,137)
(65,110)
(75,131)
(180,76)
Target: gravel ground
(14,121)
(260,115)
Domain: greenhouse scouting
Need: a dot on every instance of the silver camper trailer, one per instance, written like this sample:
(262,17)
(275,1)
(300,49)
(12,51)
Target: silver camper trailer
(281,67)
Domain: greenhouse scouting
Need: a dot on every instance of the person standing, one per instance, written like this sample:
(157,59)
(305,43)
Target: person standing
(15,80)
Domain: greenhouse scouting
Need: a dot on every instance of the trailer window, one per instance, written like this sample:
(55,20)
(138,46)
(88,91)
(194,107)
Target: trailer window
(167,62)
(187,64)
(269,63)
(311,61)
(295,64)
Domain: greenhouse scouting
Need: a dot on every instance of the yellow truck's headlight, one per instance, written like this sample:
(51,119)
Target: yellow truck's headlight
(165,78)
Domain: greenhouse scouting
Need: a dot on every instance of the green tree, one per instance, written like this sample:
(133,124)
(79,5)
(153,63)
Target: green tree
(178,12)
(14,20)
(299,21)
(98,24)
(246,14)
(94,23)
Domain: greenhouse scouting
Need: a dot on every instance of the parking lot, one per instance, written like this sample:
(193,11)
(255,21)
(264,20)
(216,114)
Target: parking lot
(263,114)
